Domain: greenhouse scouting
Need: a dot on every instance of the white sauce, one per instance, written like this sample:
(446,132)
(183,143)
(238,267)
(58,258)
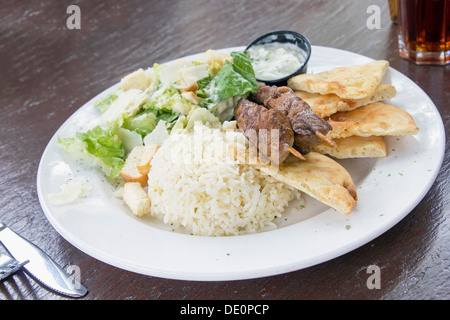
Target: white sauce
(276,60)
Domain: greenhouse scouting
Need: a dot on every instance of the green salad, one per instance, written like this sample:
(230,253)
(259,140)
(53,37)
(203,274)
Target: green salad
(149,104)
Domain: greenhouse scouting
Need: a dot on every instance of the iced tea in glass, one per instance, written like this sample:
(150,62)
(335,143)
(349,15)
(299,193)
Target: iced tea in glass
(424,31)
(393,10)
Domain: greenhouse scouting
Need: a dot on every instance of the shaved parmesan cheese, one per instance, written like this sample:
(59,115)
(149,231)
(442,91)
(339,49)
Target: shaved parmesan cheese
(69,193)
(139,79)
(130,139)
(157,136)
(126,105)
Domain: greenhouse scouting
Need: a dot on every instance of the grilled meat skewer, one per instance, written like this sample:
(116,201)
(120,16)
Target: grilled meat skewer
(309,129)
(257,123)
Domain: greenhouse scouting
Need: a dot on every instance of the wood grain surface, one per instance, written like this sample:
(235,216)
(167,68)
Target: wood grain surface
(48,71)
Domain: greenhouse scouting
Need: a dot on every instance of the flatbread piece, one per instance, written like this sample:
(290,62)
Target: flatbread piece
(326,105)
(318,176)
(354,82)
(355,147)
(375,119)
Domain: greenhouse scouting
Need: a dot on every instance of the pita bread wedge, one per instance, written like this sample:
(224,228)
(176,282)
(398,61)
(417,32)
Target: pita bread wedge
(375,119)
(326,105)
(355,147)
(354,82)
(318,176)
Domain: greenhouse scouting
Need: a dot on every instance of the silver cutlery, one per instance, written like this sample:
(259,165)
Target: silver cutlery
(37,264)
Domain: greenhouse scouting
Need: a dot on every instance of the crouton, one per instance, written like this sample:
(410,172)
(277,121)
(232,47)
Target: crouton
(136,199)
(190,96)
(137,164)
(213,56)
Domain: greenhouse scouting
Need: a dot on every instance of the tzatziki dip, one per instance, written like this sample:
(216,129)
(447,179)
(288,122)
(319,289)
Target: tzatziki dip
(272,61)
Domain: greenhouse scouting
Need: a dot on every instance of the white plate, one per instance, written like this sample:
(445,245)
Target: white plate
(388,189)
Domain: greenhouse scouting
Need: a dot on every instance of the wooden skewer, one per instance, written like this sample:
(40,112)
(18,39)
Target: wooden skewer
(296,153)
(328,140)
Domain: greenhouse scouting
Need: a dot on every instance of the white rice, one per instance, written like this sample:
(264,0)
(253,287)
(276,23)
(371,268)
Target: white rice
(194,184)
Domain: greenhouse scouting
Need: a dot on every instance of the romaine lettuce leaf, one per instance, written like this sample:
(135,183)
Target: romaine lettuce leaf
(104,103)
(233,79)
(103,146)
(167,97)
(143,123)
(201,115)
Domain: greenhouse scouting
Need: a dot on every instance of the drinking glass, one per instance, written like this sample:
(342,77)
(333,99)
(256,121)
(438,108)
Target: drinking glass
(424,31)
(393,10)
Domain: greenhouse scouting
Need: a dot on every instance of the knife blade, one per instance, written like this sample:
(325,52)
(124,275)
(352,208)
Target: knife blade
(40,266)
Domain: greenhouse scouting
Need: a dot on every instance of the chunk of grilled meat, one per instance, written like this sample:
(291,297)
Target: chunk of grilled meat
(309,129)
(257,123)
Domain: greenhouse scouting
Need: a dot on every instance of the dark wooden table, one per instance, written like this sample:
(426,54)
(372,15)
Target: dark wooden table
(48,71)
